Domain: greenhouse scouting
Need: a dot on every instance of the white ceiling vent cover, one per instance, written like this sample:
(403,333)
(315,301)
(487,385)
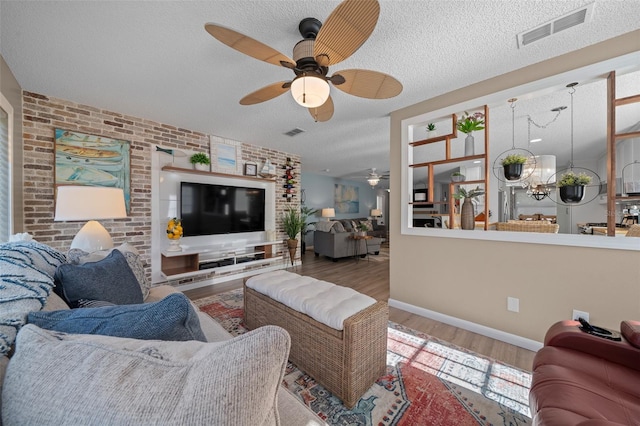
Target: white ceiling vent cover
(294,132)
(569,20)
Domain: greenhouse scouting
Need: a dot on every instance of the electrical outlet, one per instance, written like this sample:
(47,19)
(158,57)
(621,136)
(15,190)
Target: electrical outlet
(513,304)
(580,314)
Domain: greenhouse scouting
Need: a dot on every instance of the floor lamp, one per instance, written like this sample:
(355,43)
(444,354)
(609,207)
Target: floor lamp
(92,203)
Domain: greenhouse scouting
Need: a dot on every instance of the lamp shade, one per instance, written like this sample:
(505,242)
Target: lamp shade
(75,203)
(310,91)
(376,212)
(329,212)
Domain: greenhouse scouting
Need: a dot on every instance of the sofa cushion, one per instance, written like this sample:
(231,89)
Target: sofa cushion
(109,280)
(78,257)
(126,381)
(26,279)
(172,318)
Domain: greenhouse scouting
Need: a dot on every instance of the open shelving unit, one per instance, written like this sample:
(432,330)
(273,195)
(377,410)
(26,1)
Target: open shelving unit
(612,138)
(448,139)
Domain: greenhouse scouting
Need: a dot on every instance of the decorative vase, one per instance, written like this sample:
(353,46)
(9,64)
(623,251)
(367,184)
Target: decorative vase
(174,245)
(572,193)
(468,145)
(201,167)
(467,216)
(431,134)
(513,171)
(292,245)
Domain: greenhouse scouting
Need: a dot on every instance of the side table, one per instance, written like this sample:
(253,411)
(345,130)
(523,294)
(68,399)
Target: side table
(356,245)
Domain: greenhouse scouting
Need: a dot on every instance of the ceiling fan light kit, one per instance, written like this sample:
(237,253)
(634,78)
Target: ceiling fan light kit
(310,91)
(345,30)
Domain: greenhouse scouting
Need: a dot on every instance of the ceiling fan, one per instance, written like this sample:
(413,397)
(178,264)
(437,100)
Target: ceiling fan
(373,178)
(345,30)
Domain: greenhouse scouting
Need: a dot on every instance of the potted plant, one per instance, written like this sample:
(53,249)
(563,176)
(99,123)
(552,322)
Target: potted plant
(431,128)
(513,165)
(362,229)
(457,177)
(200,161)
(305,212)
(292,223)
(572,186)
(467,214)
(468,124)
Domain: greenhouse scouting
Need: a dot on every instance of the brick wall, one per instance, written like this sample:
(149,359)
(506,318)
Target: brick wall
(42,114)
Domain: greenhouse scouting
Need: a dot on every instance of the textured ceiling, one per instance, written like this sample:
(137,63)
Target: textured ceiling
(153,59)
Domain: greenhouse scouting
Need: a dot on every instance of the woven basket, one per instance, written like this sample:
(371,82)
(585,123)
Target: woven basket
(541,226)
(346,362)
(634,231)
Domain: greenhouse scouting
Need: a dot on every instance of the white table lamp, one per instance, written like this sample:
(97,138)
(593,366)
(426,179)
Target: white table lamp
(376,212)
(329,212)
(92,203)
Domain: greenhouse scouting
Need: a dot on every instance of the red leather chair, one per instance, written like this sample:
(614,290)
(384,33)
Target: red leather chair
(581,379)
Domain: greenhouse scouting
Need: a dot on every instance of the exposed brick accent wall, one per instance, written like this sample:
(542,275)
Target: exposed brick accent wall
(42,114)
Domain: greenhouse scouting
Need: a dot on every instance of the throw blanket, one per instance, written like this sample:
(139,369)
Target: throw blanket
(325,226)
(26,279)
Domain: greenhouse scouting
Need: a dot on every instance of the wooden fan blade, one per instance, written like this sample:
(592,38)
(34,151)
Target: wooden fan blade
(266,93)
(344,31)
(324,112)
(248,46)
(369,84)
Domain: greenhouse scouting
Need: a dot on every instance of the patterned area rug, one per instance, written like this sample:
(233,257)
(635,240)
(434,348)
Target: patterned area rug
(428,381)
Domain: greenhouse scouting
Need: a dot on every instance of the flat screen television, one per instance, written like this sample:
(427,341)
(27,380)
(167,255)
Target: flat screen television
(207,209)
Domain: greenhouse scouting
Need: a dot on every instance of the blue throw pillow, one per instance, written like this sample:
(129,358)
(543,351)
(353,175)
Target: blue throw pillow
(109,280)
(172,318)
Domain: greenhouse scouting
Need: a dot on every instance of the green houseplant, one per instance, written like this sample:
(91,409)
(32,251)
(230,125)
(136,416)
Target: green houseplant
(457,177)
(470,122)
(467,214)
(571,186)
(292,224)
(200,161)
(363,229)
(305,212)
(513,165)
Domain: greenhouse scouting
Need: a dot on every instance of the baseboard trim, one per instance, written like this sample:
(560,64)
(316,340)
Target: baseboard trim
(493,333)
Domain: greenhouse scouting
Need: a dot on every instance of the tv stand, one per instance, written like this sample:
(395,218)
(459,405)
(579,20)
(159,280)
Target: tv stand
(195,261)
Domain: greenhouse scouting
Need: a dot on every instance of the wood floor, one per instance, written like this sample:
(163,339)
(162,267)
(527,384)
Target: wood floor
(372,278)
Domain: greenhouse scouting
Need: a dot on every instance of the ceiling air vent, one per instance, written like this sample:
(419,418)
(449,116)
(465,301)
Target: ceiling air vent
(569,20)
(294,132)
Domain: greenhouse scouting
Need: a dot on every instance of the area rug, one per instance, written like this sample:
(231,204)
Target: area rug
(428,381)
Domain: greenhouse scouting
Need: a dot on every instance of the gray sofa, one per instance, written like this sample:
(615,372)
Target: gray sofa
(332,239)
(285,409)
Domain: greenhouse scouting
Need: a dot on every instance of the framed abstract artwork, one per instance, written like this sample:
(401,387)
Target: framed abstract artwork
(346,198)
(90,160)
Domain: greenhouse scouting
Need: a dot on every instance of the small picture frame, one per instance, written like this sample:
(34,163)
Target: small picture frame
(250,169)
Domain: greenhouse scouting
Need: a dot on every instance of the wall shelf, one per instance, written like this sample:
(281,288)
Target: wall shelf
(218,174)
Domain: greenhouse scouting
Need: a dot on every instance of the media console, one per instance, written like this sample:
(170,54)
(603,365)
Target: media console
(195,261)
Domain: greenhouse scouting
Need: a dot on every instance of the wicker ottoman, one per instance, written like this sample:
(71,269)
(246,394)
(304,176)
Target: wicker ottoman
(346,362)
